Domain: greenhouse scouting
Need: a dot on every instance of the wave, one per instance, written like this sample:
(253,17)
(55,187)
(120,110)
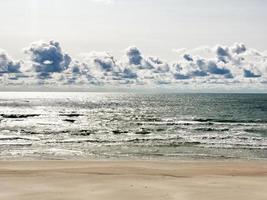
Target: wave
(70,115)
(229,120)
(253,130)
(14,116)
(17,138)
(208,129)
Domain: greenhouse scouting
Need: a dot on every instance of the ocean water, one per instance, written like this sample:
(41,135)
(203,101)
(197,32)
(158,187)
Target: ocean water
(132,126)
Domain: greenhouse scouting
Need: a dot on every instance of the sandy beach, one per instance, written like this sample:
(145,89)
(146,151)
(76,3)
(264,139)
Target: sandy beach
(120,180)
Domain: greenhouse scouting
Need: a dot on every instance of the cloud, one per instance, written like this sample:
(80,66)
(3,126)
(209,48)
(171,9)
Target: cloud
(79,73)
(104,61)
(227,62)
(47,57)
(250,74)
(7,65)
(157,65)
(239,48)
(128,74)
(187,57)
(213,68)
(191,67)
(223,54)
(48,64)
(134,55)
(107,69)
(181,76)
(230,54)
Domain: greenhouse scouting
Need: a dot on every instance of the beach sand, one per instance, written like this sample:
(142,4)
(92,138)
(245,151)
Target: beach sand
(133,180)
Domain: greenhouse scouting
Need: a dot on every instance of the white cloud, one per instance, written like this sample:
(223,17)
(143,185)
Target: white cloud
(47,58)
(50,65)
(7,65)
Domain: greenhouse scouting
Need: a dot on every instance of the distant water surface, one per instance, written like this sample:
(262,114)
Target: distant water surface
(127,125)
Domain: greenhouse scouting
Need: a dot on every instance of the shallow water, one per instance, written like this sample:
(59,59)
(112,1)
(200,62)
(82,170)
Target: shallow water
(123,125)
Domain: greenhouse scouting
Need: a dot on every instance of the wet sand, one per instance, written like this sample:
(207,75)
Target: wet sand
(133,180)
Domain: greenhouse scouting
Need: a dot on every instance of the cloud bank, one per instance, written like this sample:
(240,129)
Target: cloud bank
(49,64)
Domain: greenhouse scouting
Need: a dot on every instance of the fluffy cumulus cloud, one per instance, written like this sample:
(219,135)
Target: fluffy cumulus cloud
(200,67)
(107,70)
(235,63)
(7,65)
(49,64)
(48,57)
(134,56)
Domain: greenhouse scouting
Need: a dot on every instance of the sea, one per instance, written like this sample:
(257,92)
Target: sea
(89,125)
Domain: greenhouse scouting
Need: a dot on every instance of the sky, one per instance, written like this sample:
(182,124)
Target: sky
(155,26)
(159,28)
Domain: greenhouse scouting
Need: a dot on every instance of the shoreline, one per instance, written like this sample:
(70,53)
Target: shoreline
(133,179)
